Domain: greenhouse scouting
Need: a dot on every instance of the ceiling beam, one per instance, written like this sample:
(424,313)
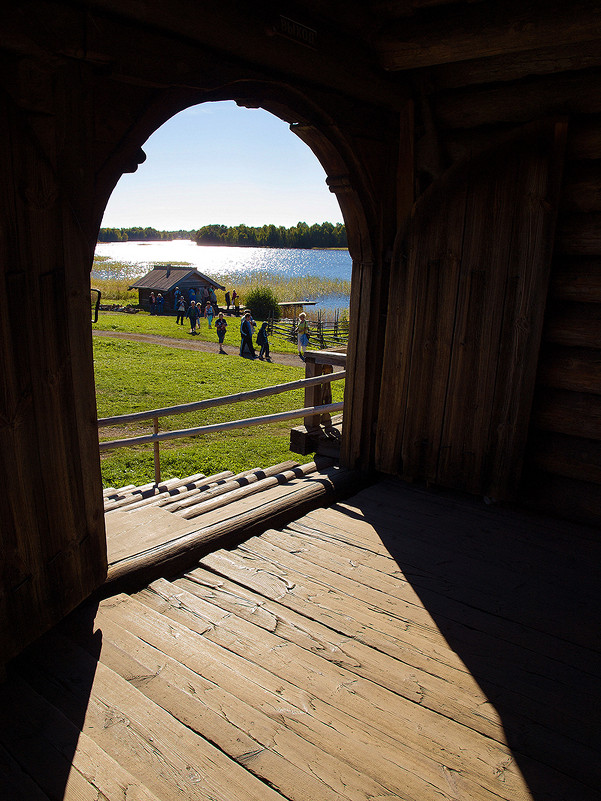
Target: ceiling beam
(446,35)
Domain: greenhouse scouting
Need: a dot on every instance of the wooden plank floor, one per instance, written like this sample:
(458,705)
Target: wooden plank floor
(403,644)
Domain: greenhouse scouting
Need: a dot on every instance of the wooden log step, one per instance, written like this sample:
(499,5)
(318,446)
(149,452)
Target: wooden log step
(145,491)
(173,761)
(152,492)
(126,488)
(275,506)
(111,492)
(385,727)
(250,733)
(237,492)
(233,483)
(201,484)
(220,479)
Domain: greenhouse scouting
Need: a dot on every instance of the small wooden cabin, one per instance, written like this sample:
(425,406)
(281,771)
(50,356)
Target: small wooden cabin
(166,279)
(463,142)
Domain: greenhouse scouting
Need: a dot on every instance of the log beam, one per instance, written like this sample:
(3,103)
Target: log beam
(488,30)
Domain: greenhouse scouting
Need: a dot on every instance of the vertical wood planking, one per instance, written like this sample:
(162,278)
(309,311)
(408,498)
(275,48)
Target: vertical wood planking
(532,250)
(434,265)
(53,531)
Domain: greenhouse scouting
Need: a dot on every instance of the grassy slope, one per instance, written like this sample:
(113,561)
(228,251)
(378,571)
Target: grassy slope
(131,376)
(165,325)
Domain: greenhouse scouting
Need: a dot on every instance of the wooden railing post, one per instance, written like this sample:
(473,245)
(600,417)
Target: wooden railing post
(312,394)
(318,395)
(157,458)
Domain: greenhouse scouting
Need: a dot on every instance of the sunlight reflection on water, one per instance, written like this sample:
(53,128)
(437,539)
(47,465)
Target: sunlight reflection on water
(208,259)
(134,259)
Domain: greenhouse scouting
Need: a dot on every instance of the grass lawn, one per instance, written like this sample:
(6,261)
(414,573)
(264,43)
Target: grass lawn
(163,325)
(132,376)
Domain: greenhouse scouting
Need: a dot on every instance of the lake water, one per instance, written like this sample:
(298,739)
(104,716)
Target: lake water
(139,258)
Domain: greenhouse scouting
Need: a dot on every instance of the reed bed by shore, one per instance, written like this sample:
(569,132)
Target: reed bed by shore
(115,287)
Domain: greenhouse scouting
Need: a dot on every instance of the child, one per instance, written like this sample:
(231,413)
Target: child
(263,341)
(303,334)
(209,311)
(221,326)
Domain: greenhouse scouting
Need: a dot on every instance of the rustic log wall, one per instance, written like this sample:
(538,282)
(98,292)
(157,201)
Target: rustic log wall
(82,87)
(465,109)
(52,530)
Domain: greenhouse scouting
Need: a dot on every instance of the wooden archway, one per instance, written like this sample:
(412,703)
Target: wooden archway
(73,127)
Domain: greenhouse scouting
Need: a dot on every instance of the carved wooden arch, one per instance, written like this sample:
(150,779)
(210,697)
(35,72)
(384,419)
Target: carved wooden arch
(346,176)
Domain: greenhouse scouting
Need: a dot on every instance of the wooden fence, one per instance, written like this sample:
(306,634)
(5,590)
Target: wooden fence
(323,333)
(154,414)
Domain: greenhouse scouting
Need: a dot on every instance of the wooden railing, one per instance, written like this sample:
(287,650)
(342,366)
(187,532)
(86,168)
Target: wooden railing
(310,411)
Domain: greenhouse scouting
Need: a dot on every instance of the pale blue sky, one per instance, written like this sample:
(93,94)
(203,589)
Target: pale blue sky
(218,163)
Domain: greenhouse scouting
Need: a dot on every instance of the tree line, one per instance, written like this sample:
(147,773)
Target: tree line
(138,234)
(301,235)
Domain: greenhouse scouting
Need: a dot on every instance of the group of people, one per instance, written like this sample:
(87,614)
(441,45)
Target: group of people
(207,307)
(157,303)
(247,329)
(194,312)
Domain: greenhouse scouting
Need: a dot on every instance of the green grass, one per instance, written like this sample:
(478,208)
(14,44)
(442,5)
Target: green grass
(131,377)
(165,325)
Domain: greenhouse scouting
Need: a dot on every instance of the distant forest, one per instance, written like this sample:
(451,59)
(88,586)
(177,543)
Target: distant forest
(301,235)
(141,235)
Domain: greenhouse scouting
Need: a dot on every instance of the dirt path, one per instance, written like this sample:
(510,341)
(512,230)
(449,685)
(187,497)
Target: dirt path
(195,344)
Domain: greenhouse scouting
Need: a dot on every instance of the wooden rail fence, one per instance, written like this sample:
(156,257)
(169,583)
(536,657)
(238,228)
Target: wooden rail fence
(308,412)
(323,333)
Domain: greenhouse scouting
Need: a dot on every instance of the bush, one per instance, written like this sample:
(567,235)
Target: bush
(263,303)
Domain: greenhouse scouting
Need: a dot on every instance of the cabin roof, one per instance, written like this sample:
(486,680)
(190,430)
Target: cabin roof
(165,278)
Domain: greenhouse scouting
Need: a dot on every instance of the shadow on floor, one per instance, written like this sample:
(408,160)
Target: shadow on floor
(43,705)
(518,599)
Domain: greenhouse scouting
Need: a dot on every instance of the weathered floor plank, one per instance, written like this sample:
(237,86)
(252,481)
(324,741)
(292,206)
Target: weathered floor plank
(400,645)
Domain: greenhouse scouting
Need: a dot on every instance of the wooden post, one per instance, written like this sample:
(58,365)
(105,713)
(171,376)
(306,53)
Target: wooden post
(312,394)
(317,395)
(157,456)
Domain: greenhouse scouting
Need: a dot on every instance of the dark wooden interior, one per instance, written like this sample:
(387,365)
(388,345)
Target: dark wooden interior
(463,142)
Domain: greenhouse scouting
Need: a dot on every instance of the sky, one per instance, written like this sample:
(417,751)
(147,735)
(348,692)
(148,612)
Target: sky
(219,163)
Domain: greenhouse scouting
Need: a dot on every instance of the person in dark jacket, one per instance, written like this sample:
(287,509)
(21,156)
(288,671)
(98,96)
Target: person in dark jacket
(181,310)
(193,314)
(246,333)
(263,341)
